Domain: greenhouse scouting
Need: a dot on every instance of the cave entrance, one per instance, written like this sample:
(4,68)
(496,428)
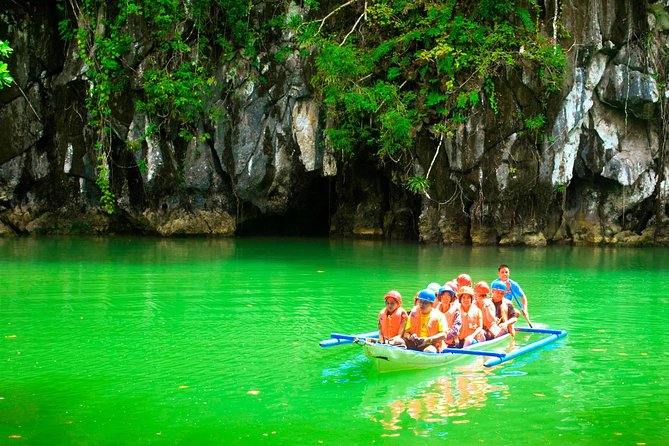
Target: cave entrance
(308,213)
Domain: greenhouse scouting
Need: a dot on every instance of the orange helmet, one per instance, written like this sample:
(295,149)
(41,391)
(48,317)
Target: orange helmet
(482,288)
(392,294)
(464,280)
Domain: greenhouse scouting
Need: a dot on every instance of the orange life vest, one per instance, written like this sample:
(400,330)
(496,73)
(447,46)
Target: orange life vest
(391,324)
(432,324)
(470,321)
(489,319)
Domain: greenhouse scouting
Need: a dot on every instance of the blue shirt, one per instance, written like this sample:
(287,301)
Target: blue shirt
(515,291)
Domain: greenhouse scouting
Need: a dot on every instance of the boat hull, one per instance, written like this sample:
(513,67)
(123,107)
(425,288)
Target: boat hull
(387,358)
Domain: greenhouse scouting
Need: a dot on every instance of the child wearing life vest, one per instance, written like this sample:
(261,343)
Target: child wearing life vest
(425,328)
(392,319)
(450,307)
(471,331)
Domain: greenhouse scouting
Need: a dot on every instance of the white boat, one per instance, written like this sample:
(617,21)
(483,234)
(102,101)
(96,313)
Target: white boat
(388,358)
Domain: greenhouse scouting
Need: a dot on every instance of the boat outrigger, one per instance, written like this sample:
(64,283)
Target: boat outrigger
(390,358)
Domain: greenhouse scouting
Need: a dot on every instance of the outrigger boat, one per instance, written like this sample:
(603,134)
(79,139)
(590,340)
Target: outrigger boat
(390,358)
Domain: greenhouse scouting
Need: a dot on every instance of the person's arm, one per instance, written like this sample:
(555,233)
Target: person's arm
(403,324)
(479,329)
(518,292)
(407,330)
(511,317)
(455,329)
(381,339)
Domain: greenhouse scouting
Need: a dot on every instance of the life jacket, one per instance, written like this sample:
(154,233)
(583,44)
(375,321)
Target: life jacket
(390,325)
(470,321)
(432,324)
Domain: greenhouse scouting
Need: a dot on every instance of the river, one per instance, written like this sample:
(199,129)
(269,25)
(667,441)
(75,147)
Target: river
(122,340)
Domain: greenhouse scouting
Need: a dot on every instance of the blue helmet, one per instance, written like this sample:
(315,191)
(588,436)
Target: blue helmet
(446,289)
(427,295)
(498,285)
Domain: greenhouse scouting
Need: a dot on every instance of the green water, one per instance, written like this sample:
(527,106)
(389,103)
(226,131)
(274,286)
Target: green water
(151,341)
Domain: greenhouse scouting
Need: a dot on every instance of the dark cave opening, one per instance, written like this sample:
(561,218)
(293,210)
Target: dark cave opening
(308,214)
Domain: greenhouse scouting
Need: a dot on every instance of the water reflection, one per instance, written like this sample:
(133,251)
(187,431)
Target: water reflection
(398,403)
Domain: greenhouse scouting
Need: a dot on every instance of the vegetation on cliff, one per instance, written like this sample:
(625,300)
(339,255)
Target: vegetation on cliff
(192,37)
(396,68)
(385,70)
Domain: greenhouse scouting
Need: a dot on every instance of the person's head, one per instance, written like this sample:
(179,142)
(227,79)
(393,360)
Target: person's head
(498,290)
(481,291)
(446,294)
(393,300)
(466,296)
(503,272)
(464,280)
(426,299)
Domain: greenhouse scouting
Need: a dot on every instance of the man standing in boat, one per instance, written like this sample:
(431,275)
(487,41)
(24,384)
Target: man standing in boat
(513,290)
(425,329)
(392,319)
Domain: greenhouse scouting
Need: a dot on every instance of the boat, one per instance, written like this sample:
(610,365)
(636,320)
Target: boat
(389,358)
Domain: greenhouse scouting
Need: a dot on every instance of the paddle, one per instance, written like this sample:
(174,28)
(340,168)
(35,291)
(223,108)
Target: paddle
(522,310)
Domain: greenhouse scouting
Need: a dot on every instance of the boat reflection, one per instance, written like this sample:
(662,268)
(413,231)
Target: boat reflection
(397,402)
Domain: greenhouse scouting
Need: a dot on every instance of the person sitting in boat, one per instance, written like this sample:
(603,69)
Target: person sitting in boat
(484,303)
(425,328)
(512,290)
(450,307)
(505,313)
(392,319)
(471,331)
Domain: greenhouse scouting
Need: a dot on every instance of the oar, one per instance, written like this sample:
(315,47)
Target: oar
(522,310)
(338,338)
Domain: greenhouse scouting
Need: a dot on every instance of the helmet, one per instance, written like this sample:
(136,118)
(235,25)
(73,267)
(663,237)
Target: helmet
(434,287)
(481,288)
(453,284)
(446,289)
(427,295)
(466,290)
(464,280)
(498,285)
(392,294)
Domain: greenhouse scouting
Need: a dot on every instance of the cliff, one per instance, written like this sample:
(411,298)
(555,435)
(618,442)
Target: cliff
(251,153)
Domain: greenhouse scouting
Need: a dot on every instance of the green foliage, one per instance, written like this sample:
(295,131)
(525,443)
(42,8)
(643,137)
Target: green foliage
(190,36)
(417,183)
(535,123)
(5,78)
(436,63)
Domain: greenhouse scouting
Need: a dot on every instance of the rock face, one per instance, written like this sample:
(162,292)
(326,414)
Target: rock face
(595,173)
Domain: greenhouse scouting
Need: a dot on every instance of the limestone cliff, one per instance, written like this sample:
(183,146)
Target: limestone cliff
(259,162)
